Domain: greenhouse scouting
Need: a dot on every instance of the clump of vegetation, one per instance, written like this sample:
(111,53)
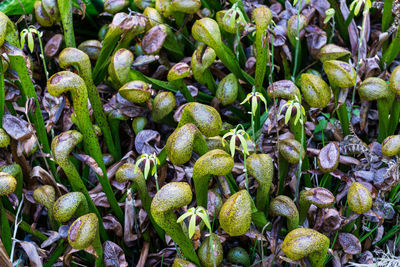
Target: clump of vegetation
(199,133)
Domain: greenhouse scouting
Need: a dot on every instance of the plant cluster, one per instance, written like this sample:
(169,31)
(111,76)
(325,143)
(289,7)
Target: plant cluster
(199,132)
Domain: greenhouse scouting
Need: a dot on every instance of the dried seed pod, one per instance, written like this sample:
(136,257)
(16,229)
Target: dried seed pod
(319,196)
(359,198)
(290,150)
(136,92)
(228,89)
(315,91)
(235,214)
(328,158)
(206,251)
(285,207)
(303,242)
(391,146)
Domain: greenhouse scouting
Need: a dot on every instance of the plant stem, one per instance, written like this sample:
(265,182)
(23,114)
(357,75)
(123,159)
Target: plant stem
(18,64)
(26,227)
(56,254)
(65,7)
(361,39)
(114,127)
(5,228)
(183,89)
(283,170)
(341,112)
(297,51)
(2,92)
(78,186)
(298,175)
(391,53)
(99,250)
(394,117)
(383,115)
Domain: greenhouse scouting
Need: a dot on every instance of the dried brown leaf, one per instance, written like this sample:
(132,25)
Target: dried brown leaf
(350,243)
(111,223)
(113,255)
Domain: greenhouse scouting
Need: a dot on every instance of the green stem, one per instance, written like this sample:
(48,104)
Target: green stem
(78,186)
(99,250)
(65,7)
(391,53)
(2,92)
(99,115)
(394,117)
(340,20)
(114,126)
(5,228)
(26,227)
(387,15)
(341,113)
(298,132)
(298,46)
(183,89)
(383,115)
(209,81)
(56,254)
(110,41)
(283,170)
(19,65)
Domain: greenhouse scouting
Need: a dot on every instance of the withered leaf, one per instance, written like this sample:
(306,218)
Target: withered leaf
(154,39)
(31,251)
(328,157)
(88,160)
(146,141)
(16,128)
(100,199)
(53,237)
(113,255)
(53,45)
(350,243)
(111,223)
